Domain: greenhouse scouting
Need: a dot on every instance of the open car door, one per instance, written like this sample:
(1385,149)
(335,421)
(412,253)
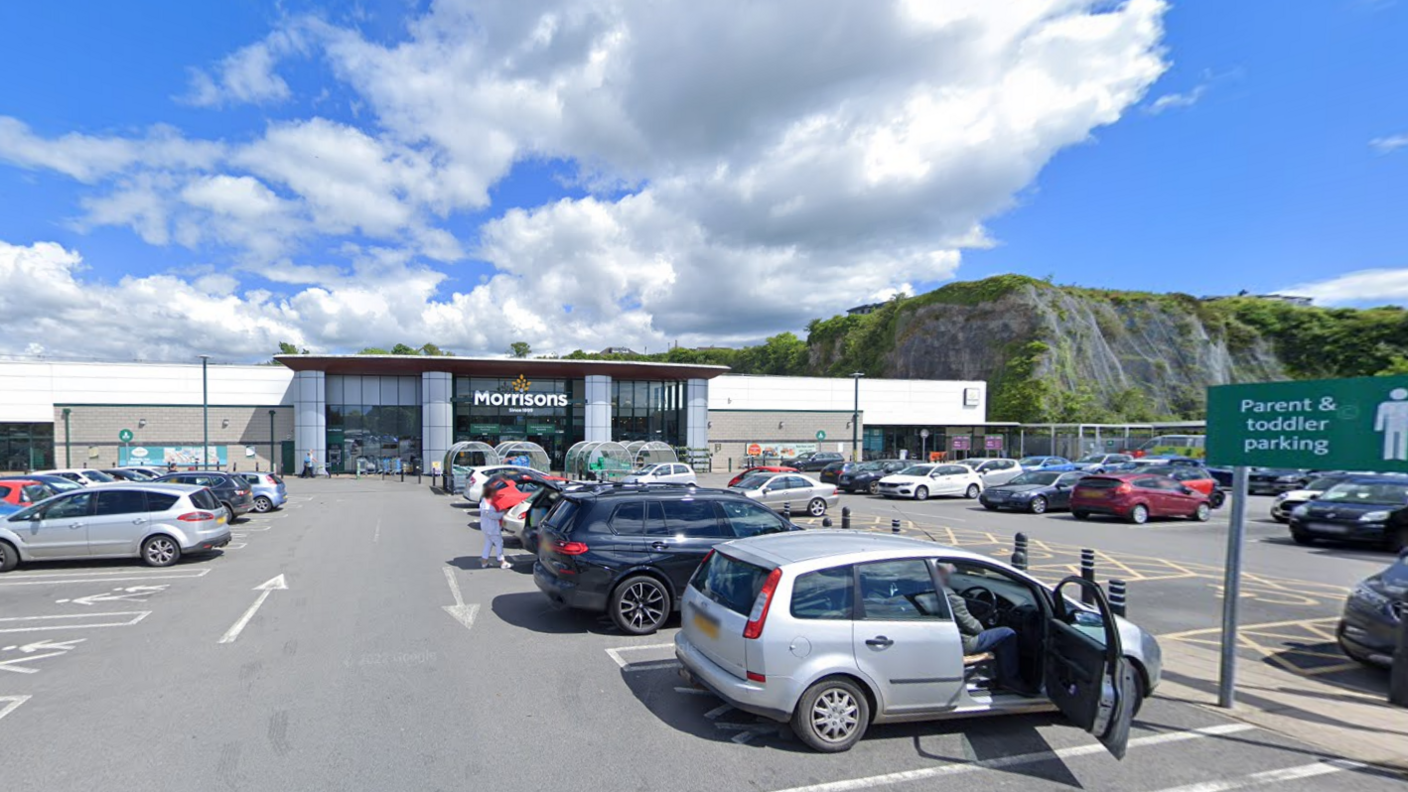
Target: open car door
(1086,673)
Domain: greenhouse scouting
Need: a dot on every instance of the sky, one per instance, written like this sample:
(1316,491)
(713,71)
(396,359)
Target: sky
(213,178)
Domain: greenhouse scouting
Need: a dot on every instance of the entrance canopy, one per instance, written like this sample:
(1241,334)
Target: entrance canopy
(643,452)
(524,454)
(597,460)
(463,456)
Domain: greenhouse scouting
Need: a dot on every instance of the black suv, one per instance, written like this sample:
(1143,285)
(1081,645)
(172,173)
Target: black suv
(865,477)
(232,491)
(630,550)
(814,461)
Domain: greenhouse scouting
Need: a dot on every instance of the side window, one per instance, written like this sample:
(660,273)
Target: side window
(900,591)
(4,491)
(629,519)
(120,502)
(204,499)
(797,482)
(824,594)
(655,520)
(691,518)
(750,519)
(160,501)
(1147,483)
(681,469)
(70,507)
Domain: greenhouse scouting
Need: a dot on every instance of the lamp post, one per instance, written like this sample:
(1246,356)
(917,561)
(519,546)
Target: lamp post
(68,457)
(855,418)
(272,467)
(205,411)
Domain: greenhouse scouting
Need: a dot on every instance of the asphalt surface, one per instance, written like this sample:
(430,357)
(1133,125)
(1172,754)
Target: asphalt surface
(391,661)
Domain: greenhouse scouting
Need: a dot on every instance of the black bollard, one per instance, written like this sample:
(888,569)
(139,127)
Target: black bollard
(1398,675)
(1087,571)
(403,474)
(787,511)
(1118,597)
(895,525)
(825,522)
(845,518)
(1019,551)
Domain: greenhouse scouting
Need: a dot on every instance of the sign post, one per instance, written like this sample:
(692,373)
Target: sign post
(924,440)
(125,437)
(1344,424)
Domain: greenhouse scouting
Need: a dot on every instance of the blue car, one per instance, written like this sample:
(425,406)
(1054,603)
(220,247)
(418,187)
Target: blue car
(267,490)
(1053,463)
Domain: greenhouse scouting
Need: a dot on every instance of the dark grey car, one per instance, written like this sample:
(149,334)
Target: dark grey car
(232,491)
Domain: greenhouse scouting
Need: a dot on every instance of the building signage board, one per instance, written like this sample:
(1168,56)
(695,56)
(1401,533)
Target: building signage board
(161,456)
(992,443)
(1342,424)
(960,443)
(781,450)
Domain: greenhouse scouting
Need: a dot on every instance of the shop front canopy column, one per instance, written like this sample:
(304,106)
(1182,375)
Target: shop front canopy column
(437,415)
(598,417)
(310,418)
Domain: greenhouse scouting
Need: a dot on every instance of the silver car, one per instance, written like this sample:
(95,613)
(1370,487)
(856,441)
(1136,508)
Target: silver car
(268,490)
(662,473)
(835,630)
(157,523)
(994,472)
(793,490)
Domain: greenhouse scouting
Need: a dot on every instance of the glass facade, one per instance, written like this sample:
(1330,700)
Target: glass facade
(372,421)
(647,410)
(549,412)
(26,446)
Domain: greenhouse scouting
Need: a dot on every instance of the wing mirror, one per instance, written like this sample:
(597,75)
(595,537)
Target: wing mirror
(1088,619)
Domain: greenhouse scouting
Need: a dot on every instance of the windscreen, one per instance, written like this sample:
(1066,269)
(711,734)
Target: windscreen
(1044,479)
(917,470)
(1375,493)
(732,583)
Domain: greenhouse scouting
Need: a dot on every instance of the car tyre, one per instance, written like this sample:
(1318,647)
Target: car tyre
(874,488)
(1278,518)
(1399,541)
(832,715)
(1139,514)
(1081,515)
(640,605)
(1217,498)
(160,551)
(9,557)
(1038,505)
(229,513)
(922,493)
(1203,513)
(263,505)
(817,507)
(972,491)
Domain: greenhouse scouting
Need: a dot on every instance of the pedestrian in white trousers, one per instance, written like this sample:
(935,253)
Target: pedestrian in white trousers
(489,523)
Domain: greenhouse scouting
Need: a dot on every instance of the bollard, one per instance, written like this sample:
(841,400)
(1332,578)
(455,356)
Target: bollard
(403,474)
(1019,552)
(787,511)
(1087,571)
(825,522)
(846,518)
(1118,597)
(417,475)
(1398,675)
(895,525)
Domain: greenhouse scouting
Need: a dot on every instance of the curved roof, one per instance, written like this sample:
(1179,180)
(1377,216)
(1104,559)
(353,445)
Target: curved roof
(498,367)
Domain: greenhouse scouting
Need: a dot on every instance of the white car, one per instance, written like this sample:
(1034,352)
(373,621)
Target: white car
(994,471)
(479,476)
(85,476)
(921,481)
(663,473)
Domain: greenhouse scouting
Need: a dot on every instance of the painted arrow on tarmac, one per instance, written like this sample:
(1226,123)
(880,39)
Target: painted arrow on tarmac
(132,593)
(265,589)
(462,613)
(43,646)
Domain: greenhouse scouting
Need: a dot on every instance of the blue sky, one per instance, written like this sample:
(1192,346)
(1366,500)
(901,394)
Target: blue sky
(473,173)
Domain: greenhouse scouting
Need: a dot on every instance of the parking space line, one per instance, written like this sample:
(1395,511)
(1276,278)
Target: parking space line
(621,661)
(131,618)
(94,573)
(9,704)
(1271,776)
(1018,759)
(61,580)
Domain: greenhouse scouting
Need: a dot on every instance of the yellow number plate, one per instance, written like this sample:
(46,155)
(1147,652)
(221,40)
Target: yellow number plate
(706,625)
(220,520)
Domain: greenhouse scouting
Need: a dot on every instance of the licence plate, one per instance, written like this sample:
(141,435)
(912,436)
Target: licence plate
(1329,528)
(707,625)
(220,520)
(1091,493)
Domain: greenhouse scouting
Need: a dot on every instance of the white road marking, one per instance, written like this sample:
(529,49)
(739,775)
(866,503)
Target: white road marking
(376,536)
(265,589)
(73,621)
(132,593)
(65,579)
(45,645)
(1271,777)
(12,665)
(460,612)
(714,713)
(236,546)
(621,661)
(1017,759)
(9,704)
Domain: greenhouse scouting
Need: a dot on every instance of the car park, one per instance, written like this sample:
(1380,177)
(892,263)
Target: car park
(1273,481)
(881,645)
(1137,497)
(1036,491)
(1370,624)
(56,483)
(994,471)
(232,492)
(1286,502)
(630,550)
(85,476)
(813,461)
(157,523)
(267,490)
(662,473)
(23,492)
(792,491)
(1198,478)
(742,474)
(1101,463)
(865,477)
(921,482)
(1046,463)
(1358,509)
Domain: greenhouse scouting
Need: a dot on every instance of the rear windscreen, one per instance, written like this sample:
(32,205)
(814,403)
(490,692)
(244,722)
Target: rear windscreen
(203,499)
(560,518)
(1099,483)
(732,583)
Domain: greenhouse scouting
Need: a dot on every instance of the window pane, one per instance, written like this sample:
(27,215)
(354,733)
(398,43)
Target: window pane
(691,518)
(732,583)
(825,594)
(406,387)
(160,501)
(390,391)
(900,591)
(121,502)
(334,391)
(352,390)
(629,519)
(750,519)
(70,507)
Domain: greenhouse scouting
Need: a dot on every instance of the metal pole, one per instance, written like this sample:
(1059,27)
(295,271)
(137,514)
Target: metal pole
(855,420)
(1231,588)
(68,454)
(895,525)
(205,411)
(846,517)
(273,466)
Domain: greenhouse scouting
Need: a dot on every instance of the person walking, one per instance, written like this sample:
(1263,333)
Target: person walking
(307,465)
(490,525)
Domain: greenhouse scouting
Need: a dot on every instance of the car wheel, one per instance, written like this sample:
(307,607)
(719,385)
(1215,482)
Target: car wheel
(9,557)
(263,504)
(1302,538)
(1081,515)
(1139,692)
(1139,514)
(832,715)
(1217,498)
(1038,505)
(874,488)
(1280,519)
(640,605)
(160,551)
(1203,513)
(922,493)
(972,491)
(229,513)
(817,507)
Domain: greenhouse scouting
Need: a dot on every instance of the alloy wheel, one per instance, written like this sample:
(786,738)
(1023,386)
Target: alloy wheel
(161,551)
(643,604)
(263,504)
(1038,505)
(835,715)
(922,493)
(817,507)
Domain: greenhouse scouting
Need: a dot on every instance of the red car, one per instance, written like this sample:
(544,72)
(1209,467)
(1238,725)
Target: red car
(1138,496)
(760,469)
(1200,479)
(23,492)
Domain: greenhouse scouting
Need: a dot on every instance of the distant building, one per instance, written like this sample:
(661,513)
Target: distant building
(618,351)
(1289,299)
(861,310)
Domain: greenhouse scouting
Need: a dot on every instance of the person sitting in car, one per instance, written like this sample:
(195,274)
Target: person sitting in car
(1001,641)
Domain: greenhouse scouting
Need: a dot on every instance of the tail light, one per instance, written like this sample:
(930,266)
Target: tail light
(754,628)
(1124,489)
(196,516)
(570,548)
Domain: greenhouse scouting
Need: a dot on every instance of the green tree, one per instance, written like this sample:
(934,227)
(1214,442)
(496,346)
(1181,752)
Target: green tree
(402,349)
(431,350)
(520,349)
(285,348)
(373,351)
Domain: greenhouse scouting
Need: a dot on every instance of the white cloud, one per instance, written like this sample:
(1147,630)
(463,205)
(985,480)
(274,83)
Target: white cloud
(1371,286)
(1177,101)
(750,166)
(1389,143)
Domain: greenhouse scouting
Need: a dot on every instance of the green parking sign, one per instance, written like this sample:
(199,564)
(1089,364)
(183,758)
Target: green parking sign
(125,436)
(1341,424)
(820,435)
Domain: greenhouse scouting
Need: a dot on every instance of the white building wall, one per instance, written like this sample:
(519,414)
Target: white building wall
(310,418)
(30,389)
(696,417)
(598,408)
(884,402)
(437,416)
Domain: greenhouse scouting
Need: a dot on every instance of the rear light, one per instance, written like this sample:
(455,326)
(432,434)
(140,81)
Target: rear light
(754,628)
(197,516)
(570,548)
(754,676)
(1124,489)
